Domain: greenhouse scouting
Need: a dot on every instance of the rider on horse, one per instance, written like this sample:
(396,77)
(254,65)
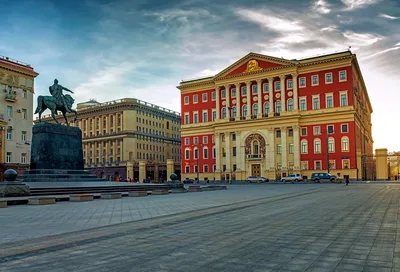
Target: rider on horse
(56,90)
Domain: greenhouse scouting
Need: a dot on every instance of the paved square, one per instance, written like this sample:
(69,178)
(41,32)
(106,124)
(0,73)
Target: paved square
(291,227)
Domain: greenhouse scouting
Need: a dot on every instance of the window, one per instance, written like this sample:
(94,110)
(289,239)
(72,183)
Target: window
(315,103)
(195,153)
(214,168)
(303,131)
(304,165)
(278,149)
(234,112)
(302,82)
(195,98)
(187,141)
(345,128)
(314,81)
(205,153)
(346,164)
(331,145)
(196,169)
(205,139)
(233,92)
(196,140)
(317,146)
(234,151)
(330,129)
(23,136)
(187,118)
(244,110)
(278,106)
(304,147)
(266,107)
(234,167)
(343,99)
(266,87)
(233,137)
(255,109)
(290,132)
(214,152)
(328,78)
(224,152)
(332,164)
(277,86)
(303,104)
(9,111)
(342,76)
(278,134)
(9,134)
(186,100)
(290,84)
(345,144)
(317,165)
(317,130)
(187,154)
(205,116)
(223,94)
(223,113)
(205,97)
(23,158)
(24,94)
(213,96)
(244,91)
(8,157)
(214,115)
(290,106)
(291,148)
(329,101)
(195,117)
(205,168)
(187,169)
(254,89)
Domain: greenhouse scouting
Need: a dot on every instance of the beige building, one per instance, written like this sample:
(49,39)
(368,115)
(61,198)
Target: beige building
(16,112)
(129,138)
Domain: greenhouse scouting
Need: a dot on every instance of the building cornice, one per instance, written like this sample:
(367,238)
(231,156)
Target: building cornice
(10,66)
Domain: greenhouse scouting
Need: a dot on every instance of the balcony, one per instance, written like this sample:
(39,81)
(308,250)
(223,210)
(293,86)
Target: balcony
(255,156)
(11,97)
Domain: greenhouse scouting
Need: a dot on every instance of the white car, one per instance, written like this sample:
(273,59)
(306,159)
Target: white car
(292,178)
(256,179)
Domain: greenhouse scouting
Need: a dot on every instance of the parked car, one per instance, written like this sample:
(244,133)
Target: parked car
(256,179)
(292,178)
(188,181)
(318,177)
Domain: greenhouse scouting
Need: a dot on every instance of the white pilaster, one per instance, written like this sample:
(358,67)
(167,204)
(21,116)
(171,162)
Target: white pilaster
(228,95)
(239,154)
(271,97)
(283,94)
(217,153)
(297,148)
(248,98)
(238,102)
(271,141)
(259,98)
(228,151)
(217,103)
(295,92)
(284,148)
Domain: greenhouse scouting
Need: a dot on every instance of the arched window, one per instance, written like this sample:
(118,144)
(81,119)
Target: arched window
(223,113)
(205,152)
(195,153)
(290,106)
(266,107)
(331,145)
(234,112)
(278,106)
(214,152)
(304,146)
(244,110)
(317,146)
(255,109)
(345,144)
(255,147)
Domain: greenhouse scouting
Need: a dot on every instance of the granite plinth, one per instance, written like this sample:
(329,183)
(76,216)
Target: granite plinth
(175,184)
(58,175)
(55,146)
(13,189)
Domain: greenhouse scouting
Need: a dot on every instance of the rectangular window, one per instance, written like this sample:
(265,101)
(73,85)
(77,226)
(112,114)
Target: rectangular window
(214,115)
(345,128)
(186,100)
(9,134)
(330,129)
(205,97)
(346,164)
(303,131)
(291,148)
(187,118)
(304,147)
(314,80)
(23,158)
(278,149)
(233,137)
(195,117)
(278,134)
(254,89)
(244,91)
(223,94)
(8,157)
(302,82)
(328,78)
(290,84)
(233,92)
(187,169)
(24,94)
(195,98)
(342,76)
(317,130)
(266,89)
(345,144)
(331,145)
(205,168)
(224,152)
(317,146)
(187,141)
(332,164)
(205,139)
(24,114)
(304,165)
(234,151)
(214,96)
(9,111)
(277,86)
(315,103)
(303,104)
(234,167)
(329,101)
(205,116)
(318,165)
(343,99)
(196,140)
(23,136)
(196,168)
(205,153)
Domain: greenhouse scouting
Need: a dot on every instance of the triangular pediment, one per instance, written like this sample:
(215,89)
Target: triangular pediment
(252,63)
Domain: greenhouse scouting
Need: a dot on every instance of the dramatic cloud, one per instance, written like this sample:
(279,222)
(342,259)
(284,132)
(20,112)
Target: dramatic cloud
(321,6)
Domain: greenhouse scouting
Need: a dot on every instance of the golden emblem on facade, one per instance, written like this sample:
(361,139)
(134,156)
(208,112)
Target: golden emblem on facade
(252,66)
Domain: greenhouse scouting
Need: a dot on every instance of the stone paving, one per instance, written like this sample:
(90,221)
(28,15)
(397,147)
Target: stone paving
(292,227)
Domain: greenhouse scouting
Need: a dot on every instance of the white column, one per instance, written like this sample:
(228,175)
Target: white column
(283,93)
(295,92)
(227,101)
(238,101)
(259,98)
(271,96)
(284,149)
(297,147)
(239,154)
(248,86)
(217,102)
(271,141)
(217,153)
(228,151)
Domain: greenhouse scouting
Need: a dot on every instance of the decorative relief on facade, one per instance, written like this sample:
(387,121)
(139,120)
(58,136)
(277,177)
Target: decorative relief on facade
(223,103)
(250,139)
(252,66)
(290,94)
(266,97)
(255,98)
(278,95)
(244,100)
(234,101)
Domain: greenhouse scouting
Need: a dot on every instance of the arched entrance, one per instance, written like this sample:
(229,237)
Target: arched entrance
(255,153)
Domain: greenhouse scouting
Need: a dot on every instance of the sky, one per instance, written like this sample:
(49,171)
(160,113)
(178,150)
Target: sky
(109,50)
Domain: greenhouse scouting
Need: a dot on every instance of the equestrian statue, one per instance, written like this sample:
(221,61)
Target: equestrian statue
(56,102)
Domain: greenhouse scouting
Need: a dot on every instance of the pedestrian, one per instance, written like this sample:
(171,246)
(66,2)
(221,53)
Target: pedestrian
(347,180)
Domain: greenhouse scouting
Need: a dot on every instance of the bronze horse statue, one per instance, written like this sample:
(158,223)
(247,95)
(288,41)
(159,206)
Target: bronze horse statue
(49,102)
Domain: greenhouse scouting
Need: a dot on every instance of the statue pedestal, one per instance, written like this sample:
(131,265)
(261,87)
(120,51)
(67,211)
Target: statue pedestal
(176,186)
(13,189)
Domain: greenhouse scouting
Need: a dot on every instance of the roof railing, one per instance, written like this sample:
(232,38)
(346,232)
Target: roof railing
(16,61)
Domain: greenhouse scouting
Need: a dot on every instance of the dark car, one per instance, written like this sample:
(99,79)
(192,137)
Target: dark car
(318,177)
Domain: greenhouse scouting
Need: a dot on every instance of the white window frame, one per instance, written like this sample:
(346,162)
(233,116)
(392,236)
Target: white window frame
(187,169)
(186,114)
(195,98)
(312,80)
(305,100)
(208,155)
(265,91)
(301,131)
(233,92)
(213,96)
(194,120)
(23,136)
(205,139)
(254,87)
(194,152)
(333,129)
(331,150)
(276,83)
(319,102)
(212,116)
(195,140)
(291,148)
(206,97)
(343,160)
(23,158)
(202,116)
(327,82)
(319,130)
(332,164)
(326,100)
(287,104)
(214,152)
(9,134)
(278,149)
(320,147)
(187,141)
(187,149)
(341,128)
(301,146)
(242,90)
(305,82)
(287,84)
(186,100)
(345,76)
(348,144)
(204,168)
(223,94)
(304,163)
(8,157)
(315,165)
(340,98)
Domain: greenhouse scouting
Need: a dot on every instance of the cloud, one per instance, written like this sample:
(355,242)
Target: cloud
(382,52)
(356,4)
(388,16)
(361,39)
(321,6)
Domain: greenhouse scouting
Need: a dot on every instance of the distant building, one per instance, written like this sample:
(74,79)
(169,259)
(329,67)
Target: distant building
(16,112)
(128,138)
(268,116)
